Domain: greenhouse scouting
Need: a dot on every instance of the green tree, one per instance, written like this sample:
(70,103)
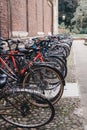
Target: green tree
(79,22)
(67,8)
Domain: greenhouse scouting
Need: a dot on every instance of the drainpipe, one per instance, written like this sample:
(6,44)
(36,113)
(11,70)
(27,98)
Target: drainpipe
(8,18)
(52,20)
(0,23)
(10,23)
(55,19)
(36,16)
(43,13)
(51,2)
(27,21)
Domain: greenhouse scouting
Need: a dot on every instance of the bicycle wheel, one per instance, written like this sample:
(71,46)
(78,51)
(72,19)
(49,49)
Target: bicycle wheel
(67,48)
(57,49)
(58,63)
(20,108)
(46,80)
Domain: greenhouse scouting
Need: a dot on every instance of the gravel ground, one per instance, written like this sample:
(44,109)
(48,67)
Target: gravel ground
(69,115)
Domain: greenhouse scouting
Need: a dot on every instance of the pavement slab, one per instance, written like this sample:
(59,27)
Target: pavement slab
(80,58)
(71,90)
(71,110)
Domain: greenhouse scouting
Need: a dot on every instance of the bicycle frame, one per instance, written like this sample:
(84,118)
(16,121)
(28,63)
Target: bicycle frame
(3,64)
(12,56)
(29,64)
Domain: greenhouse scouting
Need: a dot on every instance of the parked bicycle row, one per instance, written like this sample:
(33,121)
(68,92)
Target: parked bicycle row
(32,79)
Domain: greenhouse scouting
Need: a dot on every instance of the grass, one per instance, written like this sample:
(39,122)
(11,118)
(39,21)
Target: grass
(79,35)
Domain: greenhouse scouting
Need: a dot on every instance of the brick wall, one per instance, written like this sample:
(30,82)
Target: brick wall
(28,17)
(32,17)
(4,23)
(18,13)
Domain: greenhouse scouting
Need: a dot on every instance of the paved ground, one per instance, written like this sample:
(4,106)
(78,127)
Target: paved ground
(80,56)
(77,73)
(69,110)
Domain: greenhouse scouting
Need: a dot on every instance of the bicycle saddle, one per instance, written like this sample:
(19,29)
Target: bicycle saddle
(3,79)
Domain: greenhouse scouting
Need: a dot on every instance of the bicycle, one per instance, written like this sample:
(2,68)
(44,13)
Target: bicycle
(57,60)
(53,83)
(19,112)
(20,107)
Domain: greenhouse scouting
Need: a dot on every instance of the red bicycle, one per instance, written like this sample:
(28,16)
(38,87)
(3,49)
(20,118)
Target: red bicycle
(38,76)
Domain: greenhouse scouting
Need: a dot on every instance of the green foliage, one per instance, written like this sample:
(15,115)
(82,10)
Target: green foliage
(62,25)
(75,30)
(83,31)
(67,8)
(80,17)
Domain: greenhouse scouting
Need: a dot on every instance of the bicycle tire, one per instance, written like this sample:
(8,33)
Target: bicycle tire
(20,108)
(33,80)
(58,63)
(63,65)
(67,48)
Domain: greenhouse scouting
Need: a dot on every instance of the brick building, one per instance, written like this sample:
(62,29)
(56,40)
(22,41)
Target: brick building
(27,17)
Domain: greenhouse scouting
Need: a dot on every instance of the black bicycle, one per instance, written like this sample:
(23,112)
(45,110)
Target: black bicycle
(20,106)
